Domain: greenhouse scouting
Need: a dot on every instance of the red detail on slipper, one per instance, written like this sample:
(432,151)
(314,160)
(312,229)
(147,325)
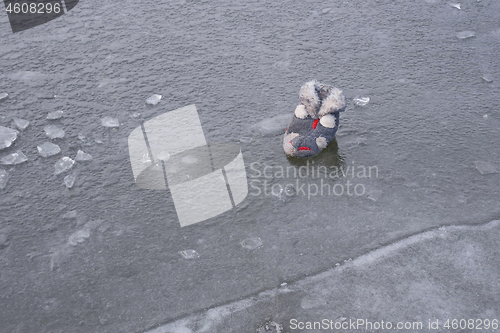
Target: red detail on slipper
(305,148)
(315,123)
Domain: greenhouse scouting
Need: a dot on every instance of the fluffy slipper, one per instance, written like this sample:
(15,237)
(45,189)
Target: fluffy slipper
(315,120)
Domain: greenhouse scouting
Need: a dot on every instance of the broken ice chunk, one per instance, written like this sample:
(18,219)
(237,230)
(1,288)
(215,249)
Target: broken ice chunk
(15,158)
(7,136)
(455,5)
(4,178)
(189,254)
(72,214)
(252,243)
(487,78)
(110,122)
(46,96)
(3,96)
(153,100)
(485,168)
(245,139)
(82,156)
(374,195)
(69,180)
(78,237)
(64,164)
(54,115)
(47,149)
(271,126)
(361,101)
(54,132)
(465,34)
(21,124)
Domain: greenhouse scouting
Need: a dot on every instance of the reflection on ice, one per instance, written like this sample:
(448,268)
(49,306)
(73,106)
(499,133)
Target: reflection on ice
(54,115)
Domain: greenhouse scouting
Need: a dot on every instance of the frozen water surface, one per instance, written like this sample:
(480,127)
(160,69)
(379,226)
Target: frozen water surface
(82,156)
(153,100)
(4,178)
(54,132)
(7,137)
(47,149)
(21,124)
(14,158)
(55,115)
(110,122)
(63,165)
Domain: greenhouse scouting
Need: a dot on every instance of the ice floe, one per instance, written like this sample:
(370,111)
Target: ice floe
(54,132)
(64,164)
(81,156)
(15,158)
(110,122)
(153,100)
(7,137)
